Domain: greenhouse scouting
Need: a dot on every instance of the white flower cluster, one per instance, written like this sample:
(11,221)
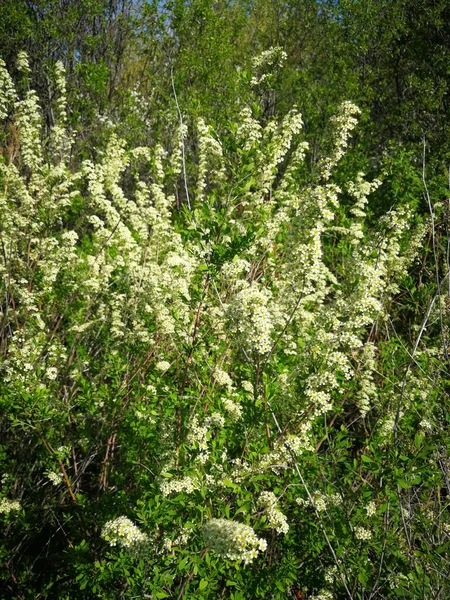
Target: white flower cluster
(344,122)
(272,58)
(321,401)
(123,532)
(23,64)
(179,151)
(276,519)
(367,393)
(247,386)
(145,416)
(320,501)
(198,435)
(180,540)
(233,409)
(51,373)
(285,451)
(249,132)
(29,123)
(361,533)
(387,428)
(55,478)
(163,365)
(333,363)
(210,152)
(426,426)
(215,420)
(331,574)
(232,540)
(371,509)
(8,91)
(269,57)
(60,139)
(360,190)
(296,444)
(322,595)
(177,485)
(325,198)
(251,318)
(222,378)
(397,580)
(278,140)
(7,506)
(234,268)
(241,470)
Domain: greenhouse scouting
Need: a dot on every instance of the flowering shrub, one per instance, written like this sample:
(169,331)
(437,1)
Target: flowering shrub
(212,349)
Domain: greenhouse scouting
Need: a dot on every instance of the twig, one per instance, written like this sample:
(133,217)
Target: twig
(183,161)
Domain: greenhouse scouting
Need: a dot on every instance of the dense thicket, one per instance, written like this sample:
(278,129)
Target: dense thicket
(224,299)
(389,57)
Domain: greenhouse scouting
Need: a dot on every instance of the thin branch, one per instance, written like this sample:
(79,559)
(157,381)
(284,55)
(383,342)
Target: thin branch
(183,161)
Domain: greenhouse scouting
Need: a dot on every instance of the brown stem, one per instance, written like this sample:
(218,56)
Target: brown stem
(63,469)
(189,577)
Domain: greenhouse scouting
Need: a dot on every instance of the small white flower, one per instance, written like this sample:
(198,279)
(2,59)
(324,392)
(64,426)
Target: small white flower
(183,484)
(122,532)
(371,509)
(247,386)
(163,365)
(233,540)
(426,425)
(55,478)
(215,419)
(275,517)
(7,506)
(362,533)
(320,502)
(51,373)
(234,410)
(222,378)
(323,595)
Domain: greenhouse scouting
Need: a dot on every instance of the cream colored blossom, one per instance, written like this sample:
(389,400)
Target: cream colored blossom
(362,533)
(371,509)
(55,478)
(222,378)
(232,540)
(247,386)
(122,532)
(275,517)
(182,484)
(163,365)
(251,318)
(7,506)
(233,409)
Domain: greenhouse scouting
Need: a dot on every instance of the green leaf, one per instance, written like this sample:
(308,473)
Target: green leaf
(404,484)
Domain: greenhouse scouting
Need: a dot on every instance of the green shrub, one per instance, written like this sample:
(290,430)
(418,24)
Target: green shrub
(203,391)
